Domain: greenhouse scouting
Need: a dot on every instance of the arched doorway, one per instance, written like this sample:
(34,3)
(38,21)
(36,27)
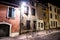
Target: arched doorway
(4,29)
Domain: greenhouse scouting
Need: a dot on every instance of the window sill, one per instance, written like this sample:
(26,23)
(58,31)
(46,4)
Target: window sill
(11,17)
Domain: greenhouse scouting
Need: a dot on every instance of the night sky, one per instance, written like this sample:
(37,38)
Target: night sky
(54,2)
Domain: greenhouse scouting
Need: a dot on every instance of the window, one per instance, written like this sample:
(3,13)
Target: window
(33,11)
(55,16)
(34,25)
(44,15)
(26,10)
(55,9)
(51,23)
(50,8)
(54,23)
(41,25)
(28,24)
(38,24)
(32,3)
(11,12)
(51,15)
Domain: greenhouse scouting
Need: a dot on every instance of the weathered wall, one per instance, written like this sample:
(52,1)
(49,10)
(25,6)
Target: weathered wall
(39,12)
(53,14)
(14,22)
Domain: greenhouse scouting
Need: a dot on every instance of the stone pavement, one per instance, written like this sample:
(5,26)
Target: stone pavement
(31,35)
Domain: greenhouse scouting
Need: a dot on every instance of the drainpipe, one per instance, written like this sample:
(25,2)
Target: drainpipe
(48,18)
(20,19)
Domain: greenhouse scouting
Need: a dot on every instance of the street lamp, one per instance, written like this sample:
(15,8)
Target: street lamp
(23,3)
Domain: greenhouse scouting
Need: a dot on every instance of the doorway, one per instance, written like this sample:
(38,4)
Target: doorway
(4,30)
(28,24)
(34,25)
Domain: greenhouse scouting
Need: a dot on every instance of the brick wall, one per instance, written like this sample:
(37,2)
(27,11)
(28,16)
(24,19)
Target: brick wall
(14,22)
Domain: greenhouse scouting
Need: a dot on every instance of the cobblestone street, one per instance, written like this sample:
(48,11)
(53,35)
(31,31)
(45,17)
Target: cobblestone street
(43,35)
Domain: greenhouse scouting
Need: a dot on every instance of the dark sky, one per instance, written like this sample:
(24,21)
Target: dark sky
(54,2)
